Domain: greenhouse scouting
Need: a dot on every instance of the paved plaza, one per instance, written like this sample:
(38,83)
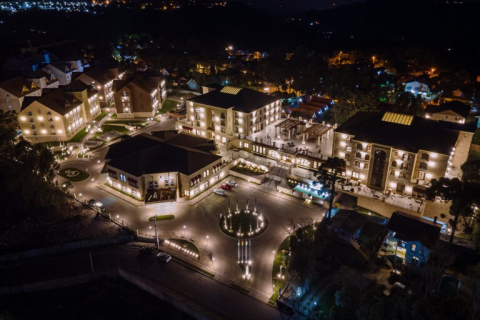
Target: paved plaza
(201,219)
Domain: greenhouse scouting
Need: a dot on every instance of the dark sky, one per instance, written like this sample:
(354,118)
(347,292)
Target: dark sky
(289,7)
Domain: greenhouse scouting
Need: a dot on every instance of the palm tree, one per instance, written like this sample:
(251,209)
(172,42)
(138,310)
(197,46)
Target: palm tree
(328,174)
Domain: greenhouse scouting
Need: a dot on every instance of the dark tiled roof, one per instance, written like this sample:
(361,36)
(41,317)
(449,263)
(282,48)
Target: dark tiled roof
(99,75)
(147,84)
(139,156)
(348,220)
(246,100)
(61,65)
(421,134)
(456,106)
(58,100)
(15,86)
(411,228)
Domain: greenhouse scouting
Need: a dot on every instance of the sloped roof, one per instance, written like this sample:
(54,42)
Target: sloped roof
(456,106)
(59,100)
(147,84)
(420,134)
(16,85)
(410,228)
(240,99)
(61,65)
(146,154)
(99,75)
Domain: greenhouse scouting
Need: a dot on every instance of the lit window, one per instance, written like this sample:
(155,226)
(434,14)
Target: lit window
(414,247)
(123,178)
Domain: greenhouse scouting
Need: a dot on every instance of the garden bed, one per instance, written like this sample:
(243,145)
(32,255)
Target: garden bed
(162,217)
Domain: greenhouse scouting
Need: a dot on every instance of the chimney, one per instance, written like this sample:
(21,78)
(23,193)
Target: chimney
(435,220)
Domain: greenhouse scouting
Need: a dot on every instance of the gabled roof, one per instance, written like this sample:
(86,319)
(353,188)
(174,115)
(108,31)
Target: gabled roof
(456,106)
(240,99)
(59,100)
(138,156)
(99,75)
(18,86)
(61,65)
(411,135)
(410,228)
(142,82)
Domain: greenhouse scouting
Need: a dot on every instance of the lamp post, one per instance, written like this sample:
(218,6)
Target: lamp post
(184,227)
(207,240)
(156,233)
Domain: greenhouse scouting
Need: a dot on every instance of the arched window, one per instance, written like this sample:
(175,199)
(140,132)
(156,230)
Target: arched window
(367,157)
(222,115)
(423,165)
(394,164)
(425,156)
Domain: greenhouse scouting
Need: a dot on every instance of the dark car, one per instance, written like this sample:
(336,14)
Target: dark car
(226,187)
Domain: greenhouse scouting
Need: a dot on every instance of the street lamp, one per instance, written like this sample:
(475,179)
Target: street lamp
(184,227)
(207,240)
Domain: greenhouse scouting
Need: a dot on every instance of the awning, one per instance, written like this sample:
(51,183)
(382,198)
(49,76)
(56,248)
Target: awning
(187,128)
(419,189)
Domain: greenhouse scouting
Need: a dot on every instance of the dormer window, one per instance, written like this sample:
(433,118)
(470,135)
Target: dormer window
(29,113)
(49,113)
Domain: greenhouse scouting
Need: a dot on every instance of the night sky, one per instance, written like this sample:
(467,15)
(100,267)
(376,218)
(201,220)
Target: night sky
(288,7)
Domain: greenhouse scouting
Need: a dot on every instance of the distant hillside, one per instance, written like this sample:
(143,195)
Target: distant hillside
(375,23)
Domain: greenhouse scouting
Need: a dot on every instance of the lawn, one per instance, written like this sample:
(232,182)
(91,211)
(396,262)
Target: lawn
(79,136)
(73,174)
(281,258)
(101,116)
(162,217)
(107,129)
(167,106)
(184,246)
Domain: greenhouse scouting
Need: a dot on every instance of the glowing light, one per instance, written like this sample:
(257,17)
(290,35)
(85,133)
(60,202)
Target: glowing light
(393,184)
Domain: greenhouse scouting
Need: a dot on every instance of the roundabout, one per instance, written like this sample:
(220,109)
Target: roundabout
(243,223)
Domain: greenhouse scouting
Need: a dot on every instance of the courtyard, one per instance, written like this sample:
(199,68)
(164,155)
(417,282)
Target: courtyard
(199,222)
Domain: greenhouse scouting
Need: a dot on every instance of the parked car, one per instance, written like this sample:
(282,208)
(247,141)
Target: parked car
(96,205)
(226,187)
(220,192)
(163,256)
(232,183)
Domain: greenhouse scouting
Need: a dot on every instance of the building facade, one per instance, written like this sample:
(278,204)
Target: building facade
(61,70)
(101,79)
(399,153)
(139,97)
(230,112)
(57,115)
(14,91)
(182,166)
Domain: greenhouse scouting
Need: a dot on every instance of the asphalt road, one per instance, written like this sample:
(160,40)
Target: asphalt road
(206,291)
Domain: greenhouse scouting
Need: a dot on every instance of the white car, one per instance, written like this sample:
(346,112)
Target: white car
(232,183)
(220,192)
(165,257)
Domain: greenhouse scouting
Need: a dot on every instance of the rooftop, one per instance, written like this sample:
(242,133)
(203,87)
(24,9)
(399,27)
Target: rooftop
(18,86)
(455,106)
(59,100)
(407,133)
(410,228)
(240,99)
(146,154)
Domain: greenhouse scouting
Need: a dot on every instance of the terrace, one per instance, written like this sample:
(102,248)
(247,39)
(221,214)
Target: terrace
(295,136)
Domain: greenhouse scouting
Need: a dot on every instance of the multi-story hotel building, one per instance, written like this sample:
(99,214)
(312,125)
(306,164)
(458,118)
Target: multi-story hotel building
(163,168)
(59,114)
(230,112)
(139,97)
(14,91)
(400,153)
(101,79)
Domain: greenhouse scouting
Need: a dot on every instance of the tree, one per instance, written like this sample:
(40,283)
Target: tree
(328,174)
(462,194)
